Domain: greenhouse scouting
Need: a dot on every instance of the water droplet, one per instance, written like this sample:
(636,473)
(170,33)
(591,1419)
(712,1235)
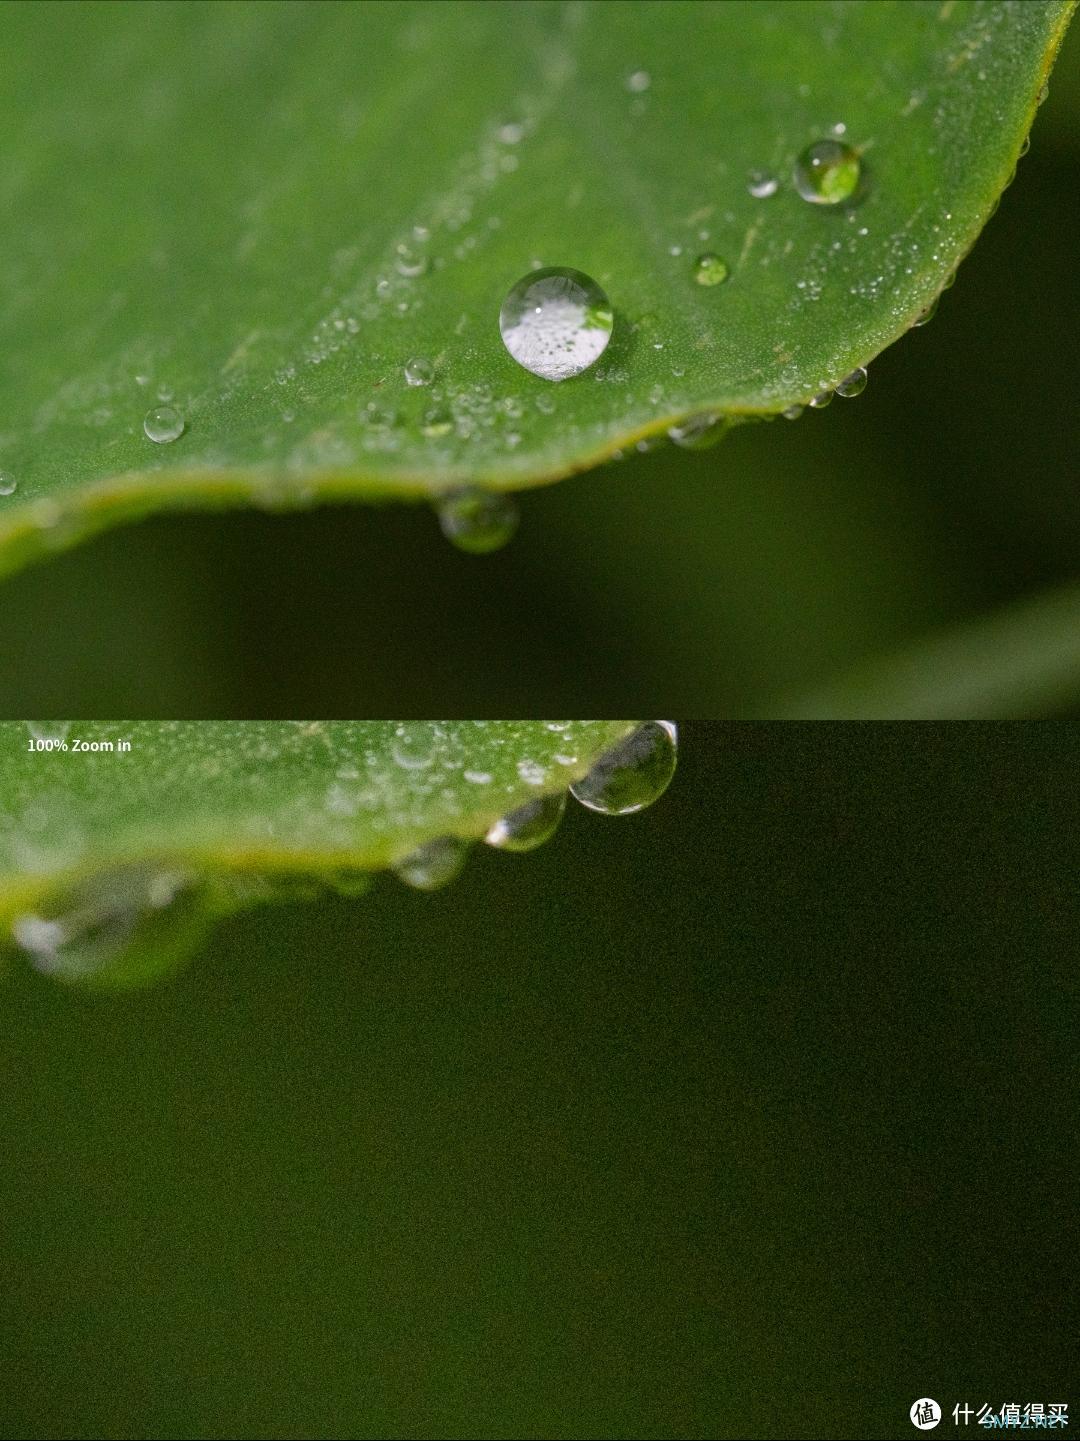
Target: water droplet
(436,422)
(924,317)
(821,400)
(638,82)
(130,924)
(793,412)
(8,484)
(828,172)
(556,322)
(476,520)
(433,864)
(510,134)
(632,774)
(699,432)
(409,262)
(1043,93)
(413,746)
(709,269)
(1025,146)
(853,384)
(529,826)
(419,371)
(163,424)
(761,184)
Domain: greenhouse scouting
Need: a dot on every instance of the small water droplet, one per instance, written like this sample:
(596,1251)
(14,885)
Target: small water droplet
(409,262)
(529,826)
(8,483)
(1025,146)
(828,172)
(675,250)
(925,316)
(632,774)
(50,733)
(556,322)
(853,384)
(793,412)
(163,424)
(821,400)
(436,423)
(638,82)
(413,746)
(419,371)
(1043,93)
(510,134)
(761,184)
(433,864)
(709,269)
(477,520)
(699,432)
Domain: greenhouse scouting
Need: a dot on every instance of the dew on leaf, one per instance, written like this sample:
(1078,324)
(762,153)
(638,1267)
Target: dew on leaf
(478,520)
(925,316)
(529,825)
(413,746)
(853,384)
(828,172)
(821,400)
(762,183)
(699,432)
(8,483)
(709,269)
(633,773)
(793,412)
(419,371)
(433,864)
(163,424)
(638,82)
(556,322)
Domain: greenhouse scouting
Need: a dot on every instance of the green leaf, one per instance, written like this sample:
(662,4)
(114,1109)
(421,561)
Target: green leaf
(224,207)
(135,851)
(1020,663)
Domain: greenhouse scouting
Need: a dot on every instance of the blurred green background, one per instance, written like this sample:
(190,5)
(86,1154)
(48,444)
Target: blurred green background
(723,583)
(753,1115)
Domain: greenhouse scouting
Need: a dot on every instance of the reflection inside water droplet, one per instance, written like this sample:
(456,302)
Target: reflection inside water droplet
(556,322)
(632,774)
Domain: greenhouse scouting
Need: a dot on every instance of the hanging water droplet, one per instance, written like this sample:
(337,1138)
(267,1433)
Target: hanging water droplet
(709,269)
(419,371)
(8,483)
(924,317)
(828,172)
(477,520)
(821,400)
(413,745)
(433,864)
(529,826)
(761,184)
(638,82)
(1043,93)
(632,774)
(1025,146)
(853,384)
(163,424)
(793,412)
(556,322)
(130,924)
(699,432)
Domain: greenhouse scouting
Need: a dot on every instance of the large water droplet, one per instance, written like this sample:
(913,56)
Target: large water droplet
(632,774)
(8,483)
(529,826)
(478,520)
(828,172)
(709,269)
(419,371)
(556,322)
(433,864)
(699,432)
(163,424)
(853,384)
(761,184)
(128,926)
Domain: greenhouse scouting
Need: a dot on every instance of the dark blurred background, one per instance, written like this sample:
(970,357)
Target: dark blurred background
(753,1115)
(723,583)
